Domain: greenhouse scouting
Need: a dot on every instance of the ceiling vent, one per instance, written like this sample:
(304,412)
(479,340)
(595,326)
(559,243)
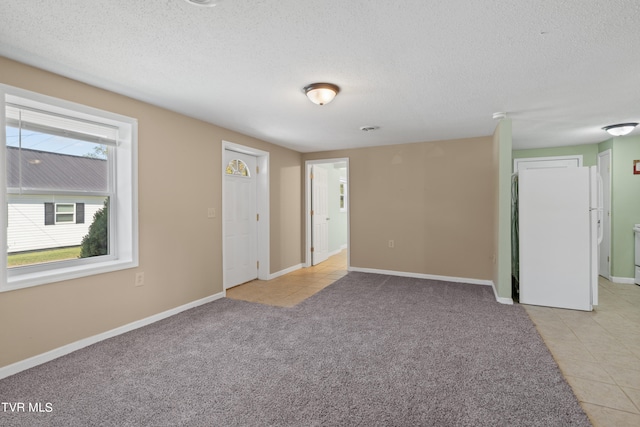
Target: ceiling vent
(369,128)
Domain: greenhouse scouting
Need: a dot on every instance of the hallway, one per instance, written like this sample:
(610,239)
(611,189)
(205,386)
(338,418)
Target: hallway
(295,287)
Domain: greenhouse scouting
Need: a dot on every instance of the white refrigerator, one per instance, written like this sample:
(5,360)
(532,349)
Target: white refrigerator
(558,225)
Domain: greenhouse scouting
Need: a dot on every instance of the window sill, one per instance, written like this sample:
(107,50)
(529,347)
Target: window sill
(30,279)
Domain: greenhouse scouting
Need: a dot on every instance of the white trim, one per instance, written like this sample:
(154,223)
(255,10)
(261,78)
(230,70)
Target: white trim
(464,280)
(337,251)
(285,271)
(262,203)
(522,160)
(501,300)
(31,362)
(307,212)
(424,276)
(623,280)
(3,191)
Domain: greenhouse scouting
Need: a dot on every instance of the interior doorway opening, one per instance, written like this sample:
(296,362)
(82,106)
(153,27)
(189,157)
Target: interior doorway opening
(604,221)
(327,209)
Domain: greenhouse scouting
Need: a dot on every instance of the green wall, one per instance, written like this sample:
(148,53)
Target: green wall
(625,203)
(502,161)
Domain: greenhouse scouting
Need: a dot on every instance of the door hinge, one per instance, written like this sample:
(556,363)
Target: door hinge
(311,248)
(257,217)
(257,169)
(258,265)
(311,175)
(311,212)
(607,259)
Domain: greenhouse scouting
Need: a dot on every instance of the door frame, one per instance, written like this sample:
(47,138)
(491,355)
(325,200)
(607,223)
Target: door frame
(262,205)
(307,214)
(607,230)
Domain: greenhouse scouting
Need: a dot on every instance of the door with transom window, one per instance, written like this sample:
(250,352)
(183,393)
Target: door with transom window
(240,217)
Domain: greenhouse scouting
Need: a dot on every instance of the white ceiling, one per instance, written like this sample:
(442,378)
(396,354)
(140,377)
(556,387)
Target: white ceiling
(421,70)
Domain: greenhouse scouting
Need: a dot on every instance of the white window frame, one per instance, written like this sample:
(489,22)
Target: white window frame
(73,213)
(124,202)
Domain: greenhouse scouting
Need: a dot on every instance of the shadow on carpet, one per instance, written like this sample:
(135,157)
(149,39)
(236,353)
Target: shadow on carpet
(369,350)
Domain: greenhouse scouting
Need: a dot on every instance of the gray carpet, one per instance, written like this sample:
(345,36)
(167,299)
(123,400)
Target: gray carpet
(369,350)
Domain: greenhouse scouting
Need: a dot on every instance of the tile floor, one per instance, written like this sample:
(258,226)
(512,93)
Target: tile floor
(598,352)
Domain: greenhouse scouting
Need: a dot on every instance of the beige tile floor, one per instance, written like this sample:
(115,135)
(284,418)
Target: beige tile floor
(295,287)
(598,352)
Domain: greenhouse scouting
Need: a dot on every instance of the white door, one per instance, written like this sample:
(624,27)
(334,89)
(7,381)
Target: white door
(320,214)
(604,221)
(240,217)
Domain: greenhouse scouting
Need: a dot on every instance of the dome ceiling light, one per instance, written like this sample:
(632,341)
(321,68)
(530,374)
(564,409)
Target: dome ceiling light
(321,93)
(620,129)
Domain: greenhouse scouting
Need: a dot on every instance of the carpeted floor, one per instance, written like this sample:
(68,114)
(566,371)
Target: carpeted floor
(369,350)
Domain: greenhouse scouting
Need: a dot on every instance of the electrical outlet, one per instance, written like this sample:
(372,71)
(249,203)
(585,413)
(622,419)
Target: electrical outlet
(391,243)
(139,279)
(211,213)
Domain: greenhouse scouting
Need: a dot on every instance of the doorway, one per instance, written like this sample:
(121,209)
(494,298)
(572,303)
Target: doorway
(604,249)
(245,214)
(327,209)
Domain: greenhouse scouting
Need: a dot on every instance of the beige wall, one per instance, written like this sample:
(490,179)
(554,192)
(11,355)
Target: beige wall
(180,248)
(434,199)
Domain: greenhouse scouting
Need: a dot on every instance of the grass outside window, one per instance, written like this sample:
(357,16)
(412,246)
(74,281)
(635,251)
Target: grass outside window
(37,257)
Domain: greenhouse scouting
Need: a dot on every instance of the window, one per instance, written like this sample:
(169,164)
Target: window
(343,195)
(65,212)
(60,213)
(70,190)
(237,167)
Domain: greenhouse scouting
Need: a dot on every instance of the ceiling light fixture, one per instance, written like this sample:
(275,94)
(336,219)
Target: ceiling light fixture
(205,3)
(321,93)
(620,129)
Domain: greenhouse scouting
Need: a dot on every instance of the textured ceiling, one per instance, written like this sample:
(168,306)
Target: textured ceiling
(421,70)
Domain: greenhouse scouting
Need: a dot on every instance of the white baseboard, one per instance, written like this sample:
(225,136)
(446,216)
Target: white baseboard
(625,280)
(22,365)
(501,300)
(423,276)
(467,280)
(336,252)
(285,271)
